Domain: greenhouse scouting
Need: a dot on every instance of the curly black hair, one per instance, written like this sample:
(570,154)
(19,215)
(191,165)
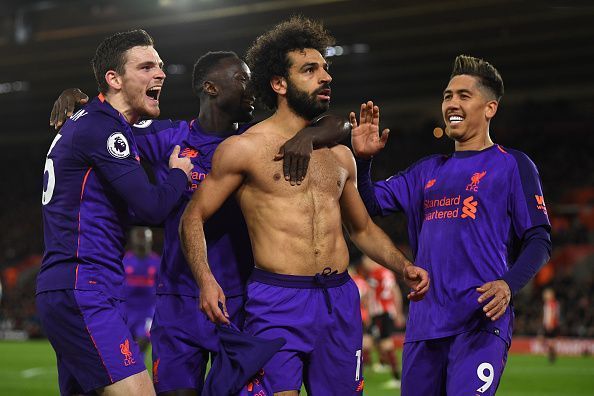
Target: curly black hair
(486,73)
(110,54)
(205,64)
(268,55)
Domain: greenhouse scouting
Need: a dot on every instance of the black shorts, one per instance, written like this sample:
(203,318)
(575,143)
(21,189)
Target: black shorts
(383,326)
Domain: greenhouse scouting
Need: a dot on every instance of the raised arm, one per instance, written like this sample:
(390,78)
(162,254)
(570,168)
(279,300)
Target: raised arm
(228,169)
(371,240)
(328,130)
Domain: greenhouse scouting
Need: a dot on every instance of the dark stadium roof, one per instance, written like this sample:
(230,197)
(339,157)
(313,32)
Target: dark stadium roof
(398,53)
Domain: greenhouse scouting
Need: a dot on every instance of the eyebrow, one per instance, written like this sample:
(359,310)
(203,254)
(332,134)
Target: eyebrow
(464,90)
(151,63)
(308,64)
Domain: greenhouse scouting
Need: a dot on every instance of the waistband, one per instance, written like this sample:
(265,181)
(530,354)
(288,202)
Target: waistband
(325,279)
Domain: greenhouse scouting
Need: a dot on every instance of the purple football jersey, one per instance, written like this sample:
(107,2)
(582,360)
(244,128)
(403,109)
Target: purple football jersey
(140,283)
(467,213)
(227,239)
(83,217)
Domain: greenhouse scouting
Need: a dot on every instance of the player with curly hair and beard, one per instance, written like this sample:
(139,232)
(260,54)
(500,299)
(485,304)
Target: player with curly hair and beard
(299,289)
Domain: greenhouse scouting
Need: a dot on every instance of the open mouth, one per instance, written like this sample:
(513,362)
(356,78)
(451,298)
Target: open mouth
(154,93)
(455,119)
(324,94)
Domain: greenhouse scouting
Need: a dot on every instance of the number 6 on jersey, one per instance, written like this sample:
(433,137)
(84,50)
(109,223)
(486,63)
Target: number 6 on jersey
(48,191)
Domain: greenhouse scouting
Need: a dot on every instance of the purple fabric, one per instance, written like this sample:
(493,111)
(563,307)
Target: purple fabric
(534,253)
(467,215)
(84,216)
(182,338)
(469,363)
(140,292)
(240,358)
(323,349)
(228,243)
(93,345)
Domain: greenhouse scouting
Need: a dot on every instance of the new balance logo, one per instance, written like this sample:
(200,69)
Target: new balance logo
(78,114)
(156,371)
(360,386)
(430,184)
(469,208)
(189,152)
(475,180)
(125,350)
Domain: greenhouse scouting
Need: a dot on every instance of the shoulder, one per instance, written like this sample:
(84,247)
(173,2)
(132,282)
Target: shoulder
(147,127)
(519,163)
(87,122)
(236,151)
(343,153)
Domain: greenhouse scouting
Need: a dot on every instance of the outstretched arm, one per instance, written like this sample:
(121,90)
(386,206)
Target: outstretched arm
(328,130)
(226,176)
(372,241)
(64,106)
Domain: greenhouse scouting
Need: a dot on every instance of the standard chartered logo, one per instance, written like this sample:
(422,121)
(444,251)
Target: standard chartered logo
(450,208)
(469,208)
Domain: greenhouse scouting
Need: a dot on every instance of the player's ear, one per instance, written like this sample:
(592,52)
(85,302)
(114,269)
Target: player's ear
(279,85)
(210,88)
(114,80)
(491,109)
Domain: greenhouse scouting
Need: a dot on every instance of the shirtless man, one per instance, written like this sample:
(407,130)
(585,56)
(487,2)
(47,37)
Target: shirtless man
(300,289)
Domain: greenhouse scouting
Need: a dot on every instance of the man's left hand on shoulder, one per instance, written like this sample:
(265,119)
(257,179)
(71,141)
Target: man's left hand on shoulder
(499,294)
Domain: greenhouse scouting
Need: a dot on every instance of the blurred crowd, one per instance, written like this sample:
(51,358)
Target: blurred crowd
(558,137)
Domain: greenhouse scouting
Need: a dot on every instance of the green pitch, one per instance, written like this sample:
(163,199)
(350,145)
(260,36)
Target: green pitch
(28,368)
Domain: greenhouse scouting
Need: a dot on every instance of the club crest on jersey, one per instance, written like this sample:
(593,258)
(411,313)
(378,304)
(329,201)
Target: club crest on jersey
(143,124)
(475,180)
(118,146)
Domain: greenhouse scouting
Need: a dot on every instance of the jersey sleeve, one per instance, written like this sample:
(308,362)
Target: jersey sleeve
(155,139)
(106,146)
(526,201)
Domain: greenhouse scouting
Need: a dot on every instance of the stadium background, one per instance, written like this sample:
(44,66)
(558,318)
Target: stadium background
(397,53)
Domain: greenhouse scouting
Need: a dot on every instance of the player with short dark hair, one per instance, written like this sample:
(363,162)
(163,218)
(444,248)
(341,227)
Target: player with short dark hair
(300,289)
(92,180)
(220,81)
(477,222)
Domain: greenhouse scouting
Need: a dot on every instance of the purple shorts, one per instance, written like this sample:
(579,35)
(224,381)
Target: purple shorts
(320,318)
(139,324)
(182,338)
(470,363)
(88,331)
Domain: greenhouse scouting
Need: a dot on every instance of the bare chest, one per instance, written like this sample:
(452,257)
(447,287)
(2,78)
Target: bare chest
(325,177)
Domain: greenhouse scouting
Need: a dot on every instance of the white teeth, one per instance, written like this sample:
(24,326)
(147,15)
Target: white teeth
(456,119)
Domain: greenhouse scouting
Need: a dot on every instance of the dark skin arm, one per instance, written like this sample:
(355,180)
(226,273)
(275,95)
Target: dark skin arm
(327,130)
(64,106)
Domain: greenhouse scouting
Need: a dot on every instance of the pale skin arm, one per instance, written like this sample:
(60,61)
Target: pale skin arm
(226,176)
(365,137)
(372,241)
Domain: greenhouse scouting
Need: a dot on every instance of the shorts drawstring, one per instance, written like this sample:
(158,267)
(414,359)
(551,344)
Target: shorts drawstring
(320,279)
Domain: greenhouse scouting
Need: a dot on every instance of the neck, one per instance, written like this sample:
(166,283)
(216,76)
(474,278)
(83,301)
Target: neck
(289,122)
(116,100)
(475,143)
(215,121)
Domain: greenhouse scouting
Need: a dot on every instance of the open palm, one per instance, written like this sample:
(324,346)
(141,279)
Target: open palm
(365,137)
